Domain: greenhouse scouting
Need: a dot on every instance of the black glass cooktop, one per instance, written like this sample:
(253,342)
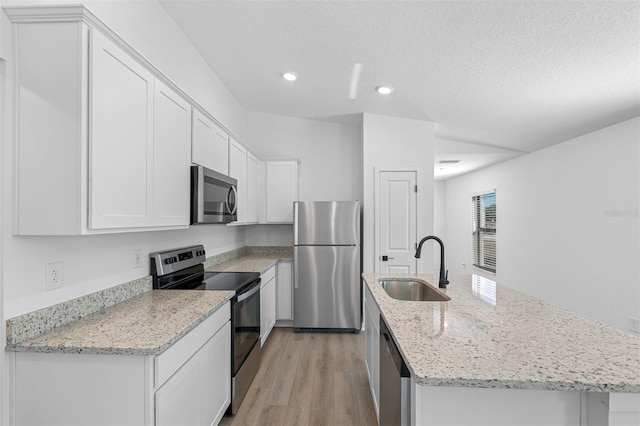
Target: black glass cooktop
(235,281)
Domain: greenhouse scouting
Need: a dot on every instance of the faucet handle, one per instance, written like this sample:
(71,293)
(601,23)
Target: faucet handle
(444,281)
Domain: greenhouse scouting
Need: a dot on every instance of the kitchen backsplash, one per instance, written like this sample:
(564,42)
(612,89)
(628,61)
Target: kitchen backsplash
(37,322)
(43,320)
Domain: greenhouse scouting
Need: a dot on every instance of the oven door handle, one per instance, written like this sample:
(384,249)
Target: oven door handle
(249,293)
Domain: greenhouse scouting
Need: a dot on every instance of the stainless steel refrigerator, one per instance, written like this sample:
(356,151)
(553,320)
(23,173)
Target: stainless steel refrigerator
(327,268)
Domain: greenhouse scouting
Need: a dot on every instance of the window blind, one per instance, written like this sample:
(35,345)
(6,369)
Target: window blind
(484,231)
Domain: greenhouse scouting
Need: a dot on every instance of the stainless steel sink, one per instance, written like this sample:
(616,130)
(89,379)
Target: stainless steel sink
(412,290)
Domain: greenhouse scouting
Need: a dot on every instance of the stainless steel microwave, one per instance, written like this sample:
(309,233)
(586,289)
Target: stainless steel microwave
(214,197)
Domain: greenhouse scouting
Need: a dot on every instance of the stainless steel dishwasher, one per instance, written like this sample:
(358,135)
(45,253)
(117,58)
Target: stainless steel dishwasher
(395,382)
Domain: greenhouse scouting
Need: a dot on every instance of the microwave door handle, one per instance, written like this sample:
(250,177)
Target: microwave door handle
(233,190)
(200,191)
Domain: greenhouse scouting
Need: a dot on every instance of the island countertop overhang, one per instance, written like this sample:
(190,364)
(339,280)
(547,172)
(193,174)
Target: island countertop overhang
(513,342)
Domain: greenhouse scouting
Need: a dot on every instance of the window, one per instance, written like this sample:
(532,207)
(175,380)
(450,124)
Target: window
(484,231)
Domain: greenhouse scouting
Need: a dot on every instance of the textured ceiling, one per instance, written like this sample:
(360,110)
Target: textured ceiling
(516,75)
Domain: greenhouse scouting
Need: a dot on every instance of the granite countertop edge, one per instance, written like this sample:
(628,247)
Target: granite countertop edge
(426,377)
(528,385)
(25,347)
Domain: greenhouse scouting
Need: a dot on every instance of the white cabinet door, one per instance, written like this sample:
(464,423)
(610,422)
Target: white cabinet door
(271,317)
(238,171)
(254,195)
(200,391)
(215,377)
(284,290)
(177,400)
(210,144)
(267,304)
(171,157)
(282,190)
(121,138)
(372,346)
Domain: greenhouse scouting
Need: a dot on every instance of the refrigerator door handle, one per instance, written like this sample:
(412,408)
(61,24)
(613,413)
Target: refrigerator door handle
(295,275)
(295,221)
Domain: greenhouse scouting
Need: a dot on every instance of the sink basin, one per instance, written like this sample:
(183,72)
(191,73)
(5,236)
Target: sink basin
(412,290)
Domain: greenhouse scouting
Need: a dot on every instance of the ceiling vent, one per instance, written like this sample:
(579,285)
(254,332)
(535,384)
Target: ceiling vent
(448,161)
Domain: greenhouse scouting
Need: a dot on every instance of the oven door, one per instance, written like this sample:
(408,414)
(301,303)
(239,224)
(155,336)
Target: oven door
(214,197)
(246,324)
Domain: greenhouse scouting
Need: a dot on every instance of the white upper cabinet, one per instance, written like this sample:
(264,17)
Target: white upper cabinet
(282,190)
(121,138)
(171,157)
(238,171)
(210,144)
(102,145)
(245,167)
(254,195)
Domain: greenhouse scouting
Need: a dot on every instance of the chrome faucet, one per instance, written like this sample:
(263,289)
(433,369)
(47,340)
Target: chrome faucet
(443,274)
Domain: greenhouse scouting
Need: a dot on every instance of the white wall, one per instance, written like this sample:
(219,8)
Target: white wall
(394,142)
(330,153)
(440,218)
(568,225)
(147,27)
(330,166)
(269,235)
(92,263)
(4,383)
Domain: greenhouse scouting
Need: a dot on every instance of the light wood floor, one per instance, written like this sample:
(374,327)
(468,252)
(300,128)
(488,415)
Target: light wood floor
(309,379)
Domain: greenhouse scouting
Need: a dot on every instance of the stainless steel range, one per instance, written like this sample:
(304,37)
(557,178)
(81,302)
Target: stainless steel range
(183,269)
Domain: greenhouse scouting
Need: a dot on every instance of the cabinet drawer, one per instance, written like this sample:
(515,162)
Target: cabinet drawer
(169,361)
(267,276)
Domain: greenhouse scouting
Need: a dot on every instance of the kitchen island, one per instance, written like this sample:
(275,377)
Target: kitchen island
(494,355)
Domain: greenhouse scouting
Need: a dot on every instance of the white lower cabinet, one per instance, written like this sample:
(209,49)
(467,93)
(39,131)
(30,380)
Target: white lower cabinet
(284,291)
(187,384)
(175,402)
(372,346)
(198,393)
(267,303)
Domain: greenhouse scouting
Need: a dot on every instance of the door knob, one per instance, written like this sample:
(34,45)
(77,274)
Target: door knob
(385,258)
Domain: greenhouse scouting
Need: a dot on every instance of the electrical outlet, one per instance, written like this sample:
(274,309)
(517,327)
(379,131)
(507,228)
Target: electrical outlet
(54,276)
(635,325)
(269,238)
(137,258)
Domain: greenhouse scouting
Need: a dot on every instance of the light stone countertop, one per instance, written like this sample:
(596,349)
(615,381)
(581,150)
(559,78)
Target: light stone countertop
(251,263)
(516,341)
(146,324)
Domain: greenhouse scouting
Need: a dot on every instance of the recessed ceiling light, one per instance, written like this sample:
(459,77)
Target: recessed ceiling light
(384,90)
(289,76)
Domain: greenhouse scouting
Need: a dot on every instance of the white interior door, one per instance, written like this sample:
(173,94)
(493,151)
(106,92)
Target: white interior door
(397,228)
